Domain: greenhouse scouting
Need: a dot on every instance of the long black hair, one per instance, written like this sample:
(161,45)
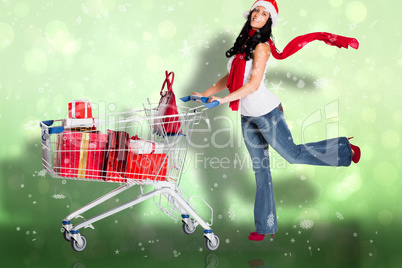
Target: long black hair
(248,46)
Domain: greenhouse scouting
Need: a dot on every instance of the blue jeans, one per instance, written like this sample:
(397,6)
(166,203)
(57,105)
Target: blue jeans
(271,129)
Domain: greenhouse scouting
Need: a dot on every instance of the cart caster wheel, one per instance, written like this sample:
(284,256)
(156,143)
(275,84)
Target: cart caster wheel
(79,248)
(67,235)
(208,243)
(187,229)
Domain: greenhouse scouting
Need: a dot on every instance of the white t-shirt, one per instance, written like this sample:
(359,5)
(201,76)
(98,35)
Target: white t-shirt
(261,101)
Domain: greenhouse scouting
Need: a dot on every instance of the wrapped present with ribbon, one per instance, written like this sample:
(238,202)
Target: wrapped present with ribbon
(80,109)
(80,154)
(57,155)
(96,154)
(116,156)
(146,160)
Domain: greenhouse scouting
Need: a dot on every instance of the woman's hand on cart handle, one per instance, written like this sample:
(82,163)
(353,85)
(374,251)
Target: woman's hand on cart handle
(214,101)
(213,98)
(198,94)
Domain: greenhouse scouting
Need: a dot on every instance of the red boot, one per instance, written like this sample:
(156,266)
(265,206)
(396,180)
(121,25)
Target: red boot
(357,152)
(254,236)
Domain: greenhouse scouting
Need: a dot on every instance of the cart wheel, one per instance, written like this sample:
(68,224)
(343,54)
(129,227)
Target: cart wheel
(79,248)
(187,229)
(67,235)
(208,243)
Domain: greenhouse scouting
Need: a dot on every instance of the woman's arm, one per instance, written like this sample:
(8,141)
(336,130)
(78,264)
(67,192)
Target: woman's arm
(218,87)
(261,56)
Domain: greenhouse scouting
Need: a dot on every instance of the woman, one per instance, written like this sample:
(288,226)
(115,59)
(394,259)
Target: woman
(262,117)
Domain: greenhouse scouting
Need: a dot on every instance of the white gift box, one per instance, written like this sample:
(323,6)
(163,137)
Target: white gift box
(139,146)
(85,122)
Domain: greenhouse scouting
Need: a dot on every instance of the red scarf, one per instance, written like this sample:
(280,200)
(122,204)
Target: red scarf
(236,75)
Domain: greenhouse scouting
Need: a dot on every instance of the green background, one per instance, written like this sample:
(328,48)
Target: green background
(114,53)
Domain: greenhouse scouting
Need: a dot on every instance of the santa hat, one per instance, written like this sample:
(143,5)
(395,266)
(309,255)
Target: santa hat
(270,6)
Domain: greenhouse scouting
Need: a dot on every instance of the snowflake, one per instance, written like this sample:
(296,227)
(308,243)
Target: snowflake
(59,196)
(232,213)
(170,9)
(84,9)
(339,215)
(185,50)
(31,124)
(333,38)
(277,87)
(122,8)
(176,253)
(198,33)
(352,26)
(306,224)
(271,220)
(93,145)
(266,152)
(301,84)
(336,71)
(42,173)
(322,82)
(303,44)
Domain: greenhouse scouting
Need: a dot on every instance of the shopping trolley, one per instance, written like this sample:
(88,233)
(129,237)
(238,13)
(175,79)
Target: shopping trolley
(132,149)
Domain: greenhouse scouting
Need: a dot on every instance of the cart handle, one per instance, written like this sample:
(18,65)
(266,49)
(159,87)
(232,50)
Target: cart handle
(204,100)
(51,130)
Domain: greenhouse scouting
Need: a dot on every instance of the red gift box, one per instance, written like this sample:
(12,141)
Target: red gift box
(146,166)
(80,109)
(142,166)
(116,156)
(80,154)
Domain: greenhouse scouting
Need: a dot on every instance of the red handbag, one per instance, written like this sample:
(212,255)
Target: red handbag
(166,121)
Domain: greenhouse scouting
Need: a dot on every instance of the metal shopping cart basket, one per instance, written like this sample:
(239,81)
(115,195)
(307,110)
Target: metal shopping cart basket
(128,148)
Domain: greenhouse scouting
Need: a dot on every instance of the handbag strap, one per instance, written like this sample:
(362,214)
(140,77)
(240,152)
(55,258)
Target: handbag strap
(168,82)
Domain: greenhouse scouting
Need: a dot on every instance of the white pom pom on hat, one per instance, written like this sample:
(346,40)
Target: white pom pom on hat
(270,5)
